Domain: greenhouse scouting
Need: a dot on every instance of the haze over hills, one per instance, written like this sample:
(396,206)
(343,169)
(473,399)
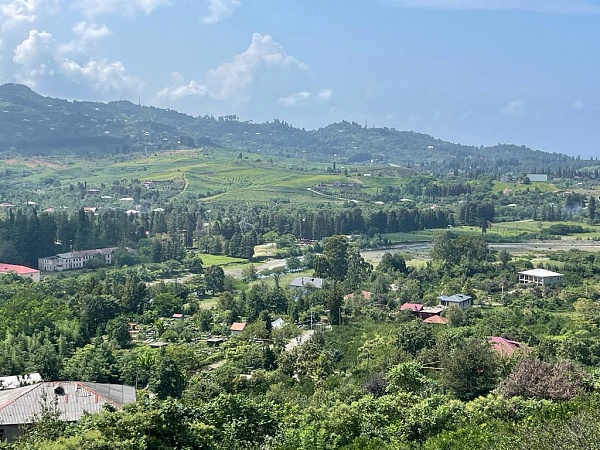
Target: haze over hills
(32,124)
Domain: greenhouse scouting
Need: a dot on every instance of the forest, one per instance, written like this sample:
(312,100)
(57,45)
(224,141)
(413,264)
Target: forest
(200,244)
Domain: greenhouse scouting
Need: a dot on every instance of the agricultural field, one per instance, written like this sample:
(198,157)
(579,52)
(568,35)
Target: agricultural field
(210,175)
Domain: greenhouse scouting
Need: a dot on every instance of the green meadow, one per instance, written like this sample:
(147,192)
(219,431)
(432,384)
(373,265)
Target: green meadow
(211,175)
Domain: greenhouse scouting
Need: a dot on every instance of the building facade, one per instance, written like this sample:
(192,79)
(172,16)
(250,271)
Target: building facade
(22,271)
(541,277)
(74,260)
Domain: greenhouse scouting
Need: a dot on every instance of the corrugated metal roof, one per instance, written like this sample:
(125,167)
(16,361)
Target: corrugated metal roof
(73,399)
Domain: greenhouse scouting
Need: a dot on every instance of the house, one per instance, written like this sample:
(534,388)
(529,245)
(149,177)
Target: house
(541,277)
(437,320)
(415,308)
(461,300)
(237,328)
(74,260)
(71,399)
(505,347)
(22,271)
(430,311)
(306,284)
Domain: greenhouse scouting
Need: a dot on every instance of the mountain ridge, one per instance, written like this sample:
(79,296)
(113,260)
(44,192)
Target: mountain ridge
(34,124)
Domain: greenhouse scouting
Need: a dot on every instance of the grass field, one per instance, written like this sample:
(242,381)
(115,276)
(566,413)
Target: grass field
(499,186)
(219,260)
(211,176)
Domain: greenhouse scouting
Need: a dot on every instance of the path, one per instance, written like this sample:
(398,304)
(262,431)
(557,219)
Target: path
(295,342)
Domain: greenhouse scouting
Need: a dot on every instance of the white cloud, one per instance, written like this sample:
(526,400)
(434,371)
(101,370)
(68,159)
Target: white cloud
(304,97)
(546,6)
(229,79)
(181,91)
(91,8)
(578,105)
(39,58)
(88,34)
(103,76)
(34,57)
(219,10)
(294,99)
(516,108)
(16,12)
(325,94)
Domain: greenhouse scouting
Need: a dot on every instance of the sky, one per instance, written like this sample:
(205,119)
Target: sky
(476,72)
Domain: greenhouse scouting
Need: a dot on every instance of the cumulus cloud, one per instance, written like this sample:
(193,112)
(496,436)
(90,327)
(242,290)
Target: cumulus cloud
(304,97)
(91,8)
(34,57)
(229,79)
(546,6)
(219,10)
(16,12)
(103,76)
(87,36)
(516,108)
(184,90)
(39,58)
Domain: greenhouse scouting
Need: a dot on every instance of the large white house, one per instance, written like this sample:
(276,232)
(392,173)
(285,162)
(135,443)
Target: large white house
(541,277)
(74,260)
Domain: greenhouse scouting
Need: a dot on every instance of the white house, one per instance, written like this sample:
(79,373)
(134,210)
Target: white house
(541,277)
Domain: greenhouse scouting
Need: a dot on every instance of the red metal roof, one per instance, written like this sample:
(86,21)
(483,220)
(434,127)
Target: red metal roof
(21,270)
(412,306)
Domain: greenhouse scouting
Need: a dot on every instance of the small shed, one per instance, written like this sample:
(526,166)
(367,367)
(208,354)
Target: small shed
(237,327)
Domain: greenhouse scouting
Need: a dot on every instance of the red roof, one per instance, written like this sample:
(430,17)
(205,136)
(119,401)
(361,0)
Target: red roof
(21,270)
(505,347)
(436,320)
(412,306)
(238,326)
(177,316)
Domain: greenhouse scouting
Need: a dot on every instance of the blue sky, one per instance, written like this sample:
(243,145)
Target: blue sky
(471,71)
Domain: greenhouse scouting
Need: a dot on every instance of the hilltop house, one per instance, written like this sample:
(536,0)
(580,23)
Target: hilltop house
(461,300)
(22,271)
(541,277)
(74,260)
(305,284)
(72,399)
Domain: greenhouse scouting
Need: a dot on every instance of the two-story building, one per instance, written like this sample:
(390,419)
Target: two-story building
(74,260)
(541,277)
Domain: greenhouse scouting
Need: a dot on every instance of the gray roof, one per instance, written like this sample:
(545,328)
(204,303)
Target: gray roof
(74,398)
(306,281)
(456,298)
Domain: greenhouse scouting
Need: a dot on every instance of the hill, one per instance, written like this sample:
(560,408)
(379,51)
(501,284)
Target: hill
(36,125)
